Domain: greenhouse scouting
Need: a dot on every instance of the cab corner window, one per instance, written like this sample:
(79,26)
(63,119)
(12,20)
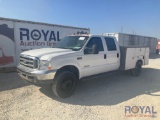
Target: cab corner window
(110,44)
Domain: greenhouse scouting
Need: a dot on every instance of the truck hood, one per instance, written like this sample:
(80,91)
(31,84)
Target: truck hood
(45,51)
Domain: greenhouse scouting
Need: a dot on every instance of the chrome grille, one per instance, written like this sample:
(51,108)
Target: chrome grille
(30,62)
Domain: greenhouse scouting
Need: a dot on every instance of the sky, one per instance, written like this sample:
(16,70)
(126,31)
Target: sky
(140,17)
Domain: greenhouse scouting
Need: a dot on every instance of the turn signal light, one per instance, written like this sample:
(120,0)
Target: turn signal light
(49,68)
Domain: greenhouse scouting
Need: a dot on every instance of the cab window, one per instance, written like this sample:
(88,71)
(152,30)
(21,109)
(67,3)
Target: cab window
(110,44)
(95,41)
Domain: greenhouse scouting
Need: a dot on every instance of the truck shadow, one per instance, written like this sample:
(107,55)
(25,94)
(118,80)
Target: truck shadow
(111,89)
(11,80)
(154,56)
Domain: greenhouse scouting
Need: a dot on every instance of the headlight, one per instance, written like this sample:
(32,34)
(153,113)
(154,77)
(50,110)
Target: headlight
(44,65)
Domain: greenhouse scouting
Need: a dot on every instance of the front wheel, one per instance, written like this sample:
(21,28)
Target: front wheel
(137,70)
(64,85)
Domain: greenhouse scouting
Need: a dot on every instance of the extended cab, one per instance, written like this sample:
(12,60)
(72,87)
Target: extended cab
(79,56)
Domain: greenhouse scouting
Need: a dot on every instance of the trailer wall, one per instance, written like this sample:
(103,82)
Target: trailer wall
(17,36)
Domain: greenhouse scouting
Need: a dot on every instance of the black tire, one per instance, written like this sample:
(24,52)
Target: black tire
(137,70)
(64,84)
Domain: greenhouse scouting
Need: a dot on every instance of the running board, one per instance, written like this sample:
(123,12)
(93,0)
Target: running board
(100,75)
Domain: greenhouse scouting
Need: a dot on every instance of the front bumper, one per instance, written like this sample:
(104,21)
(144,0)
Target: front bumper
(36,76)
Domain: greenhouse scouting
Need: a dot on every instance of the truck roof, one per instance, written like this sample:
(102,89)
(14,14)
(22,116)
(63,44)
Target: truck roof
(103,35)
(109,34)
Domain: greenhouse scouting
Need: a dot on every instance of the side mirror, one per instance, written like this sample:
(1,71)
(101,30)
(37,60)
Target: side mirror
(95,49)
(87,51)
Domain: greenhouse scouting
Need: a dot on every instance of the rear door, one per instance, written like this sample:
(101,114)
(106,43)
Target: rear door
(113,55)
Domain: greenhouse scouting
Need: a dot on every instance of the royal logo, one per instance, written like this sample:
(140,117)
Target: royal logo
(36,35)
(140,111)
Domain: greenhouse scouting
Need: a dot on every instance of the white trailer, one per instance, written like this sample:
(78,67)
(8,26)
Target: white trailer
(17,36)
(131,40)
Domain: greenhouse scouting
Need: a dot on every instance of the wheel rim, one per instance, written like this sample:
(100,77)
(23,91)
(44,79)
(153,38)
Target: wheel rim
(67,85)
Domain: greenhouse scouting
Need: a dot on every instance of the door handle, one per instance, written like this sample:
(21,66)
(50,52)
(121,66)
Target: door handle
(117,55)
(79,58)
(105,56)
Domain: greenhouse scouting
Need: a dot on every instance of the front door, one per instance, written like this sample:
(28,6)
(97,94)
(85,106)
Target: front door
(94,63)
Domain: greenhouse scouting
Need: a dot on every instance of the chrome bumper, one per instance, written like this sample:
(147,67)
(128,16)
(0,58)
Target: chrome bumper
(36,76)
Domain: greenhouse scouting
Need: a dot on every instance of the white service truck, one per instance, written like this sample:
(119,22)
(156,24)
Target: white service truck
(77,57)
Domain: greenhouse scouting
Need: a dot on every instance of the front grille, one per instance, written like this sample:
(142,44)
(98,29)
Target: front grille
(30,62)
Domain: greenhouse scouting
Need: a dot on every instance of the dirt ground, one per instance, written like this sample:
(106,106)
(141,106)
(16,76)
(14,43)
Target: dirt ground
(103,98)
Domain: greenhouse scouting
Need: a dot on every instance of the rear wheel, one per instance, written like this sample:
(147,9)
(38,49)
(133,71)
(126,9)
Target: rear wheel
(137,70)
(64,85)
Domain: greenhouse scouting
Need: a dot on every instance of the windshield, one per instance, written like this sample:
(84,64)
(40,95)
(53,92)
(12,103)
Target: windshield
(72,42)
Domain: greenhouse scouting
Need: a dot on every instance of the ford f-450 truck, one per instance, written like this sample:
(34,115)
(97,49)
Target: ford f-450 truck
(79,56)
